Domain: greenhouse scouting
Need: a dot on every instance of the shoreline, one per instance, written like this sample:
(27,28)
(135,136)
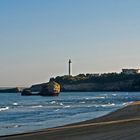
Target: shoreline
(111,125)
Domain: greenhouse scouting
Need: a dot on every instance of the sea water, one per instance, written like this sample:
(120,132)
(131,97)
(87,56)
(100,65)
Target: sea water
(20,114)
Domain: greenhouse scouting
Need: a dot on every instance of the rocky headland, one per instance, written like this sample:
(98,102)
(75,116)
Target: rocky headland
(91,82)
(86,83)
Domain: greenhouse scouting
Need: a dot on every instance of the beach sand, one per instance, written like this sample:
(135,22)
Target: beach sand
(123,124)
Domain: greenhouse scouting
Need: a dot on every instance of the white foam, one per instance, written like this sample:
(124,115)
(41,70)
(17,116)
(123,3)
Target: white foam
(67,106)
(53,102)
(15,103)
(107,105)
(61,104)
(99,97)
(37,106)
(127,103)
(82,102)
(97,105)
(4,108)
(57,109)
(11,126)
(15,126)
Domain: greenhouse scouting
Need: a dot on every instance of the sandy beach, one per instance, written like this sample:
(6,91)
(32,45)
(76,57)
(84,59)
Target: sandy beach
(123,124)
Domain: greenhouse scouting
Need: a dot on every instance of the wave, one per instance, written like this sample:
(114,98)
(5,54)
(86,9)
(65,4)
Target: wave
(37,106)
(127,103)
(97,97)
(53,102)
(67,106)
(57,110)
(108,105)
(11,126)
(61,104)
(15,103)
(83,102)
(4,108)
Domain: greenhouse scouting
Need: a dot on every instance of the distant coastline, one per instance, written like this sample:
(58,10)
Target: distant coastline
(11,89)
(108,82)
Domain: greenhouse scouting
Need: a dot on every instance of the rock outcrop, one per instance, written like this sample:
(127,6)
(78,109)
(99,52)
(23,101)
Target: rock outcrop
(50,89)
(26,92)
(47,89)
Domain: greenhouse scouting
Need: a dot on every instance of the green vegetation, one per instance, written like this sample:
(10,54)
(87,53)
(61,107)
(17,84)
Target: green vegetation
(95,78)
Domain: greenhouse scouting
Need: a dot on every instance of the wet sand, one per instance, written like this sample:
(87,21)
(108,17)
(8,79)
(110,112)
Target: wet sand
(123,124)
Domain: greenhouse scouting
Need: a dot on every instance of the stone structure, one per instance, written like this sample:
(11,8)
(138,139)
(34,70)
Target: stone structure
(26,92)
(50,89)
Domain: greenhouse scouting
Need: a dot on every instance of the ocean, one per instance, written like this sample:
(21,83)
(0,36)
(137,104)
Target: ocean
(30,113)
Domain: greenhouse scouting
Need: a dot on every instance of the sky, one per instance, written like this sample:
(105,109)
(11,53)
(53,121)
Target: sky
(38,37)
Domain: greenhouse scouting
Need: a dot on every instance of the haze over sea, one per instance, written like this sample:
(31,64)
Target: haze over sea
(22,114)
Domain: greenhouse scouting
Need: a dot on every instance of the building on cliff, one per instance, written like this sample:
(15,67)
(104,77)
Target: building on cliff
(131,71)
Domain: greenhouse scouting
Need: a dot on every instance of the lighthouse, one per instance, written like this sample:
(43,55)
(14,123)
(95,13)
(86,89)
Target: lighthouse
(70,67)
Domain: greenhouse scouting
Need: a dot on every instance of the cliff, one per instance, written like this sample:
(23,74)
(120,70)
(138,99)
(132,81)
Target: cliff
(103,82)
(116,86)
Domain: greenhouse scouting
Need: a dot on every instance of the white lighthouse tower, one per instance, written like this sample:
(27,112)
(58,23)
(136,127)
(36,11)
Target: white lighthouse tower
(70,67)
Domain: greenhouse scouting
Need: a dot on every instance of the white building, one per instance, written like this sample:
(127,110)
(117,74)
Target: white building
(131,71)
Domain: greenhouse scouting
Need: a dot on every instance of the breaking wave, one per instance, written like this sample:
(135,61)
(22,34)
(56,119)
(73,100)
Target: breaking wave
(53,102)
(37,106)
(4,108)
(15,103)
(107,105)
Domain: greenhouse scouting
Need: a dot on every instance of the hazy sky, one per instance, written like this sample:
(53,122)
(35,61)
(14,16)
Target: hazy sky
(37,37)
